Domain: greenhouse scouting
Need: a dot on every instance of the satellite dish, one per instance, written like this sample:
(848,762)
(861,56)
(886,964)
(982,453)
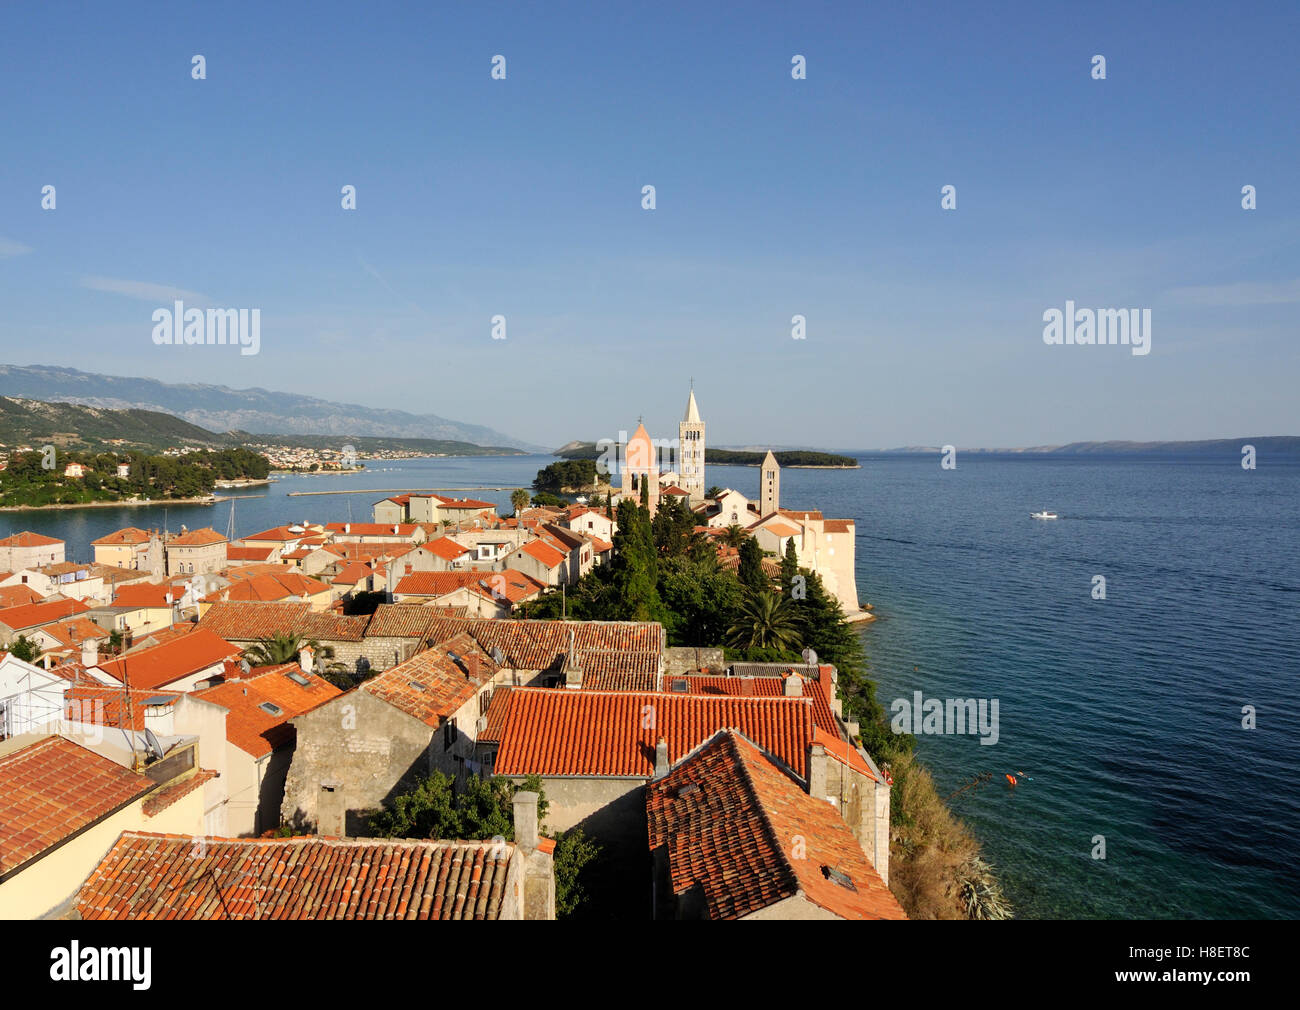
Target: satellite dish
(810,657)
(155,748)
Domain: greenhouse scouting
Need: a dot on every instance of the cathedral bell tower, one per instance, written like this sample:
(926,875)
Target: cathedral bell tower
(690,451)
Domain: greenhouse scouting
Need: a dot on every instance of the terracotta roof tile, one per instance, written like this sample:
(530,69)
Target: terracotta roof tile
(18,596)
(732,819)
(29,539)
(33,615)
(161,664)
(53,789)
(150,876)
(613,733)
(545,645)
(259,707)
(244,621)
(197,538)
(400,620)
(145,594)
(129,535)
(446,548)
(432,685)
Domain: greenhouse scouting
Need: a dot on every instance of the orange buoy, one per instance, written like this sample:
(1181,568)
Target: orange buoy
(1011,778)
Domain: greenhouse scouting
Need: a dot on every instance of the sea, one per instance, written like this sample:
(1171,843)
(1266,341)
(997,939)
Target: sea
(1153,732)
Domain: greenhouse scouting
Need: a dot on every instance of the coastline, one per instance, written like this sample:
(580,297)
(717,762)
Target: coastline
(209,500)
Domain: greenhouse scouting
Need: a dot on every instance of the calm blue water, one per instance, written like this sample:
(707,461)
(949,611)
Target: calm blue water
(1126,712)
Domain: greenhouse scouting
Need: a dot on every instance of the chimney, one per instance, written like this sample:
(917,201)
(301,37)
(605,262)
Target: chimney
(525,811)
(661,758)
(89,652)
(793,686)
(304,658)
(818,770)
(573,669)
(347,527)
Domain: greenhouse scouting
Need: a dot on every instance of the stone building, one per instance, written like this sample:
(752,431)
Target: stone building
(192,552)
(29,550)
(376,741)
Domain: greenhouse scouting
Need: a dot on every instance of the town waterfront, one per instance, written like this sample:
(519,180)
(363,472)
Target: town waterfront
(1123,714)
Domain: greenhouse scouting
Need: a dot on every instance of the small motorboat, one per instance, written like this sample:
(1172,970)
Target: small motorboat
(581,499)
(1043,515)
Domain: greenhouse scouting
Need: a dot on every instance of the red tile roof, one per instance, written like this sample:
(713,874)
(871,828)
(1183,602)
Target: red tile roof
(74,631)
(352,573)
(149,876)
(258,730)
(248,553)
(446,548)
(130,535)
(839,526)
(246,621)
(145,594)
(278,534)
(53,789)
(738,828)
(435,583)
(180,657)
(458,504)
(432,685)
(545,645)
(28,539)
(18,596)
(95,703)
(763,687)
(544,553)
(197,538)
(283,585)
(401,620)
(33,615)
(613,733)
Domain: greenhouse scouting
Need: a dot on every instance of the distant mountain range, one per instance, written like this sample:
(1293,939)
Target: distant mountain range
(104,429)
(220,408)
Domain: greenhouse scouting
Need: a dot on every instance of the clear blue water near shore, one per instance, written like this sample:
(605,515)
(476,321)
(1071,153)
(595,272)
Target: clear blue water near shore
(1126,712)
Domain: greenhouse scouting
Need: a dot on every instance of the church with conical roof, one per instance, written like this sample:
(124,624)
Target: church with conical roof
(641,458)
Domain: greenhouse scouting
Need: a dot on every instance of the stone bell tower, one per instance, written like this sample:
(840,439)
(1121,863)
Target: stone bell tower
(769,486)
(690,451)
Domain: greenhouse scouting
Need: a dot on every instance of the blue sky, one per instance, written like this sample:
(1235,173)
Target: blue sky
(775,197)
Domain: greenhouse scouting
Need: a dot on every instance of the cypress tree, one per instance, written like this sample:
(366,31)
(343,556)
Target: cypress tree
(751,567)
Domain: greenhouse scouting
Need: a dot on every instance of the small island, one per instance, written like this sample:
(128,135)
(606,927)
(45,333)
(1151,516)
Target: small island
(788,458)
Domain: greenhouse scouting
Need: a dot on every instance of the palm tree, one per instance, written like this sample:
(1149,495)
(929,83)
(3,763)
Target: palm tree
(734,536)
(519,500)
(280,648)
(713,491)
(764,622)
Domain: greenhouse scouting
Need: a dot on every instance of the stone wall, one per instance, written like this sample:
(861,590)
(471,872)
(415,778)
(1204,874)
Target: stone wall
(363,747)
(683,659)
